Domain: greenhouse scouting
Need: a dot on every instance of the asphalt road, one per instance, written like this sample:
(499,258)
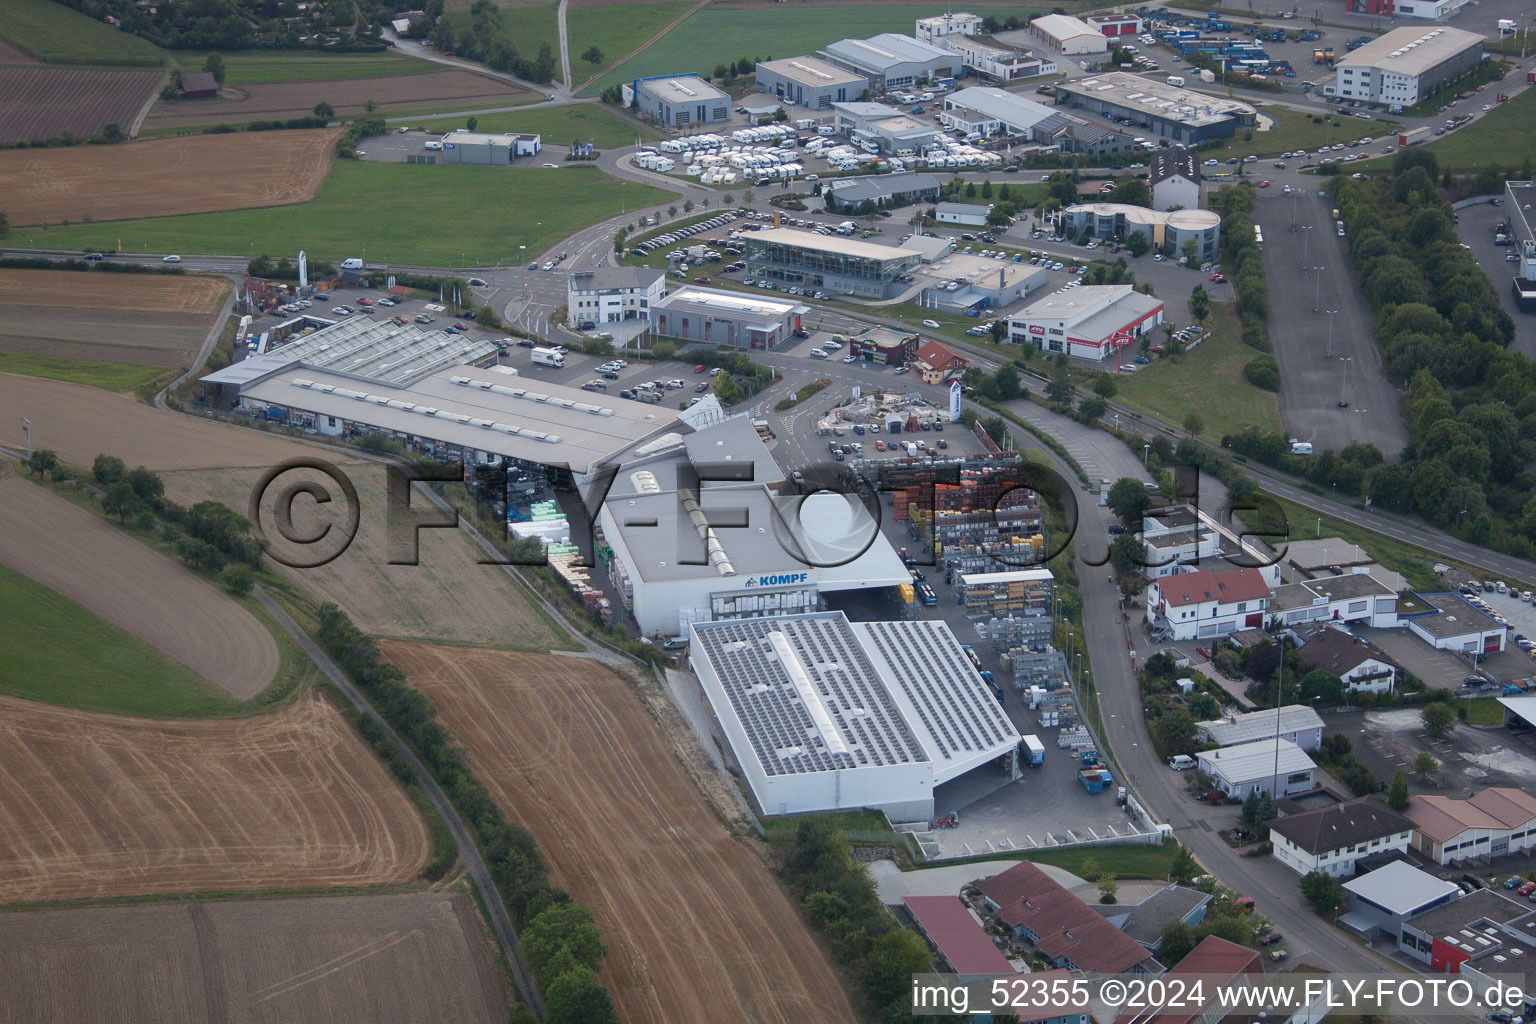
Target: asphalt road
(1309,276)
(1474,226)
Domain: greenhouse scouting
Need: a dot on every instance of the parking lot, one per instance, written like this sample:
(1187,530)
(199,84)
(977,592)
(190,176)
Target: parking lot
(1475,227)
(402,142)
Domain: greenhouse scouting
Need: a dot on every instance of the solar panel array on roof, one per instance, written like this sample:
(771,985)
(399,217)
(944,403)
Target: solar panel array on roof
(802,689)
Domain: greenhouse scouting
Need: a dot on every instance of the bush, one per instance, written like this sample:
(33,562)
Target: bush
(1263,372)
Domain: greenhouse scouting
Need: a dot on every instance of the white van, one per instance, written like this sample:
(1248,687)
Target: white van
(1175,79)
(432,145)
(352,264)
(1181,762)
(1301,447)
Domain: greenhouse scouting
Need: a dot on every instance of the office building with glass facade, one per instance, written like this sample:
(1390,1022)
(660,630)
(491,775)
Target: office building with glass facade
(812,262)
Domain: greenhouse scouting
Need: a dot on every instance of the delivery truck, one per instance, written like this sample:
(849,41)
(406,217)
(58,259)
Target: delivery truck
(548,357)
(1035,749)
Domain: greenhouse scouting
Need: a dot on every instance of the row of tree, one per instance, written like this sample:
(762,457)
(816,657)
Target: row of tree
(559,939)
(1471,410)
(486,40)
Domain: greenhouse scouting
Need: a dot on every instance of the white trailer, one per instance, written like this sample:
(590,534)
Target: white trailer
(548,357)
(1036,750)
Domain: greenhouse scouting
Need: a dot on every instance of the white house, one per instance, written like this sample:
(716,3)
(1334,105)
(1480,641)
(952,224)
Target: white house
(1350,597)
(1174,176)
(1332,839)
(1205,604)
(1276,767)
(1354,659)
(1497,821)
(1297,724)
(969,214)
(606,295)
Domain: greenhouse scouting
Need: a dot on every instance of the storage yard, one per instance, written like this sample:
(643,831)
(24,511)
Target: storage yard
(97,806)
(400,94)
(697,928)
(142,321)
(41,103)
(160,177)
(397,959)
(135,588)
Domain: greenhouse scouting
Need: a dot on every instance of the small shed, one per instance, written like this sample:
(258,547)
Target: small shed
(200,85)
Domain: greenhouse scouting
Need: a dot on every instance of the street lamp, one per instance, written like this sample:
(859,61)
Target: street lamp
(1317,299)
(1329,354)
(1306,240)
(1146,451)
(1344,381)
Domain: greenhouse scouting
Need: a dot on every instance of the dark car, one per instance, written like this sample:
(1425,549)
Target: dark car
(1116,529)
(460,327)
(1271,939)
(702,386)
(627,393)
(609,375)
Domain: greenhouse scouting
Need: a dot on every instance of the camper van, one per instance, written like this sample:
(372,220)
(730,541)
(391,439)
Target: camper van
(352,264)
(1181,762)
(1301,447)
(1175,79)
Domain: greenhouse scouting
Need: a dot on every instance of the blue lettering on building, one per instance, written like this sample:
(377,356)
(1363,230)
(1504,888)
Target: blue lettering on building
(778,579)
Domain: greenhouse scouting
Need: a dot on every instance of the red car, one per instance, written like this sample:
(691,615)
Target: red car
(1527,888)
(699,369)
(402,321)
(1264,184)
(1271,939)
(365,302)
(460,327)
(1218,278)
(1204,652)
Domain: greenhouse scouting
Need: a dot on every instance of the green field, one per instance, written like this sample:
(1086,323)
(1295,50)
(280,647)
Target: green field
(1127,861)
(1294,130)
(558,125)
(1485,711)
(528,28)
(718,34)
(55,651)
(107,376)
(53,32)
(1208,378)
(441,215)
(1505,136)
(616,37)
(266,68)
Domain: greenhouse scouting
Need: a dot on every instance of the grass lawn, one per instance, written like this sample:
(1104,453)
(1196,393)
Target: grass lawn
(52,32)
(1505,136)
(1208,378)
(1294,130)
(265,68)
(1127,861)
(528,27)
(455,216)
(719,34)
(55,651)
(615,37)
(854,824)
(1485,711)
(108,376)
(558,125)
(1399,556)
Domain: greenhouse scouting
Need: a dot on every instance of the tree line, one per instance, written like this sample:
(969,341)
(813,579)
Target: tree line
(486,40)
(559,939)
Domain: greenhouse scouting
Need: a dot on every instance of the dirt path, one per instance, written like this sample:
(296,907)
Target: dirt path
(135,588)
(95,806)
(697,928)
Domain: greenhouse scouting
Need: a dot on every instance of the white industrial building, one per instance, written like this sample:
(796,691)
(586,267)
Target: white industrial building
(678,101)
(823,714)
(955,282)
(988,58)
(1091,322)
(1452,623)
(691,547)
(606,295)
(892,61)
(1113,25)
(1295,723)
(1494,822)
(1180,538)
(1350,597)
(464,147)
(1383,900)
(935,30)
(1405,65)
(1334,839)
(1174,175)
(1204,605)
(1276,767)
(988,111)
(968,214)
(1068,36)
(732,319)
(1163,114)
(1191,233)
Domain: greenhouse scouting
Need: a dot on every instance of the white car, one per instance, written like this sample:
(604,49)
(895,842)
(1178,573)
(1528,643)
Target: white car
(932,324)
(1157,257)
(850,359)
(170,259)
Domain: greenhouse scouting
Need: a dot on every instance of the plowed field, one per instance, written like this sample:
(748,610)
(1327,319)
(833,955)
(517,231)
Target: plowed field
(163,177)
(118,318)
(433,90)
(381,959)
(96,805)
(40,103)
(135,588)
(698,930)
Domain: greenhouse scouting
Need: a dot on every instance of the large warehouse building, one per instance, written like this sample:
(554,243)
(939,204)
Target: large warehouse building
(891,61)
(899,189)
(462,147)
(436,394)
(1405,65)
(1167,114)
(697,533)
(809,82)
(829,262)
(731,319)
(679,101)
(1068,36)
(825,714)
(1170,231)
(983,110)
(1092,322)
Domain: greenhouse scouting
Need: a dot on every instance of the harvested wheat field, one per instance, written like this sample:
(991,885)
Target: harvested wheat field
(432,90)
(445,597)
(164,177)
(134,587)
(698,929)
(81,422)
(396,959)
(95,806)
(118,318)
